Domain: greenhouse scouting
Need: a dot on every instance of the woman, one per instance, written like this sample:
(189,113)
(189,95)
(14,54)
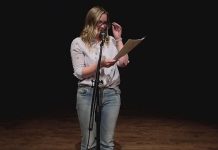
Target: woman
(85,51)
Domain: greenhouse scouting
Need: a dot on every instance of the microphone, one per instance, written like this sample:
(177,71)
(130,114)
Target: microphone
(103,35)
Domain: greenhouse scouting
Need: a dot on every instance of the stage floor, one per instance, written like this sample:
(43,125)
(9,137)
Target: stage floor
(135,131)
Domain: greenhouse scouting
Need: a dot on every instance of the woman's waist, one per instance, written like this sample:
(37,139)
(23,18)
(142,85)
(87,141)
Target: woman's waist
(101,83)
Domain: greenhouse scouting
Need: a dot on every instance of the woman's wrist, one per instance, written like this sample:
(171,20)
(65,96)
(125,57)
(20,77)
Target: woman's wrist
(118,39)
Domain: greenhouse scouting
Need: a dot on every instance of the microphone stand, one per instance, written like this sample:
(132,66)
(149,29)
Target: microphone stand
(96,103)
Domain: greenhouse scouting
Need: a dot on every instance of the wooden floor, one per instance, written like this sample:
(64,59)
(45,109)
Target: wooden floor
(60,131)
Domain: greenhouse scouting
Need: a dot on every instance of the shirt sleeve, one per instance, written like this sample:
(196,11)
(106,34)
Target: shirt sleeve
(77,56)
(114,43)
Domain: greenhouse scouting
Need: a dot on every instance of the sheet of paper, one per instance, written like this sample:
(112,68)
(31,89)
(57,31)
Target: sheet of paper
(128,46)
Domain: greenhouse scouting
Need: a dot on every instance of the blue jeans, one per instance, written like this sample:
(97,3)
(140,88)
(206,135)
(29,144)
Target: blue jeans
(110,107)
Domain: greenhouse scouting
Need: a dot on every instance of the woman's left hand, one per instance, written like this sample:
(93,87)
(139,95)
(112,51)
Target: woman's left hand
(123,61)
(117,30)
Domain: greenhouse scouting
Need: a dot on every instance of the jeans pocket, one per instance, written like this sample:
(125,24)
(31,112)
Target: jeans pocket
(82,91)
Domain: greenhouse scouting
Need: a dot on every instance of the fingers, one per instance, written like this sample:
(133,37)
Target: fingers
(116,26)
(108,62)
(111,61)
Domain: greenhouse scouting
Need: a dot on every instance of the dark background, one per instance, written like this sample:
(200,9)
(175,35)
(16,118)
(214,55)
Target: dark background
(168,71)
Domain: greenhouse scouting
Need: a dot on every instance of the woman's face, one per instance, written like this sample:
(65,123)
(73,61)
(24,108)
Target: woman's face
(102,24)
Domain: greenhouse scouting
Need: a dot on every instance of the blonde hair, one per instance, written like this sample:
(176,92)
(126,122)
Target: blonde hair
(89,31)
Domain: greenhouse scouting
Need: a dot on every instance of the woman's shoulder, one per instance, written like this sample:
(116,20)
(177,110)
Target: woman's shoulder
(78,43)
(76,40)
(111,39)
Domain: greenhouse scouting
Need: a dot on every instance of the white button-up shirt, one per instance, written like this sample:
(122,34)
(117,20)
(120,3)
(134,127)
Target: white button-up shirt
(83,56)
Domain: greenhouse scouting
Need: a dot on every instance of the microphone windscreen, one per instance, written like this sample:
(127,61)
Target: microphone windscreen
(103,35)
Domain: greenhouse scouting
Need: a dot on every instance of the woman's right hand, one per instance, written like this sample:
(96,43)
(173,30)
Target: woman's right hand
(107,62)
